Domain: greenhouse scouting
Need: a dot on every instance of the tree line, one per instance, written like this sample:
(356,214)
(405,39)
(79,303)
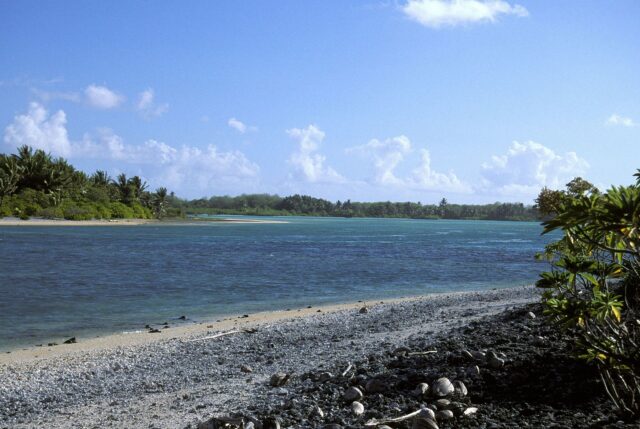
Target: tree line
(267,204)
(33,183)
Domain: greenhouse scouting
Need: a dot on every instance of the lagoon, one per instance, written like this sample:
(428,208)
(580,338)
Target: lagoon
(57,282)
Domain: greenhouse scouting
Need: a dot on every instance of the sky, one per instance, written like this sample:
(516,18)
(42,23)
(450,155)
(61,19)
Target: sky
(408,100)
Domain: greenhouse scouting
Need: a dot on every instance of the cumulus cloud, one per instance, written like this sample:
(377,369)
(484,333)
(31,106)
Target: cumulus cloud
(529,166)
(185,167)
(425,177)
(237,125)
(102,97)
(147,106)
(388,154)
(623,121)
(309,165)
(188,169)
(40,130)
(441,13)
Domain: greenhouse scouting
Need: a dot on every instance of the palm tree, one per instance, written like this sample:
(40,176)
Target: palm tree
(9,176)
(124,189)
(160,202)
(138,185)
(101,178)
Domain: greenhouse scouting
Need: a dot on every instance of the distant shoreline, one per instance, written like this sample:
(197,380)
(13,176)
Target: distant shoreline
(9,221)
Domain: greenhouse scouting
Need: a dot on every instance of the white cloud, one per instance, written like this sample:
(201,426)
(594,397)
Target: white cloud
(424,177)
(186,169)
(237,125)
(388,154)
(46,96)
(40,130)
(147,106)
(308,164)
(621,120)
(529,166)
(102,97)
(440,13)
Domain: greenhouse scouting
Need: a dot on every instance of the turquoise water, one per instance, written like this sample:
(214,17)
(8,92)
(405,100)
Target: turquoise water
(57,282)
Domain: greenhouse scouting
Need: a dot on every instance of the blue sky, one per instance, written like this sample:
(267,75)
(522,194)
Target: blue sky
(476,101)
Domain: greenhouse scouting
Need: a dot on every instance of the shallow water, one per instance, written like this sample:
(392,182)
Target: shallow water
(57,282)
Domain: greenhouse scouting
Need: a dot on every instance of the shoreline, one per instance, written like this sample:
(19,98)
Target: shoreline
(139,337)
(127,222)
(180,378)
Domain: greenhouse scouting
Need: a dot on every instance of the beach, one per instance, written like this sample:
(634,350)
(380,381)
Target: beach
(178,377)
(11,221)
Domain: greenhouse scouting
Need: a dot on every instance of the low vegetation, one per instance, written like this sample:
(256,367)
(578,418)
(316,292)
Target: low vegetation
(593,289)
(33,183)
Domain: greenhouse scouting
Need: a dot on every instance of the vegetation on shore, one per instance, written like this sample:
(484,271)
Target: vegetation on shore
(33,183)
(593,289)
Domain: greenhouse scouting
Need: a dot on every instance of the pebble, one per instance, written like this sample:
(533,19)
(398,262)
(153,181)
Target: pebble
(469,411)
(357,408)
(442,387)
(353,394)
(442,404)
(424,423)
(421,389)
(246,368)
(376,385)
(317,411)
(444,415)
(460,388)
(531,315)
(279,379)
(363,310)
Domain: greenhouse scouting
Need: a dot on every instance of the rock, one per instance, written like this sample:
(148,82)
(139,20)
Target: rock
(469,411)
(427,413)
(353,394)
(324,376)
(495,362)
(332,426)
(376,385)
(384,427)
(271,423)
(467,354)
(154,331)
(357,408)
(460,388)
(317,411)
(279,379)
(531,315)
(246,368)
(444,415)
(442,387)
(442,404)
(478,355)
(71,340)
(424,423)
(363,310)
(421,389)
(182,318)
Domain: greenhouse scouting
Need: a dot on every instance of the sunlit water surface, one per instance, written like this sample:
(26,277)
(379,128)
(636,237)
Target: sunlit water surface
(57,282)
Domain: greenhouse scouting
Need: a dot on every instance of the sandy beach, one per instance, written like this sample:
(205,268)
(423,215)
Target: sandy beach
(126,222)
(180,376)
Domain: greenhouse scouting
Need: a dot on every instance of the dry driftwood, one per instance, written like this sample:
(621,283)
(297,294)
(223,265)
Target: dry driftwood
(211,337)
(375,422)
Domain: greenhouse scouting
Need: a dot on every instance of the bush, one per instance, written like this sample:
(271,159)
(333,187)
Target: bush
(120,211)
(594,285)
(51,213)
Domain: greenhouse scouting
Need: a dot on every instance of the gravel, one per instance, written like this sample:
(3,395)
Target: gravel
(178,383)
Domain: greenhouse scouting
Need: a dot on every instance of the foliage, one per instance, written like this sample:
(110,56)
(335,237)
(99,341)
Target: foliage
(33,183)
(594,287)
(265,204)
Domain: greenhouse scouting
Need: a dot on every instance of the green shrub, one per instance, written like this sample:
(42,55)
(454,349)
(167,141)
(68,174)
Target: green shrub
(594,286)
(51,213)
(120,211)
